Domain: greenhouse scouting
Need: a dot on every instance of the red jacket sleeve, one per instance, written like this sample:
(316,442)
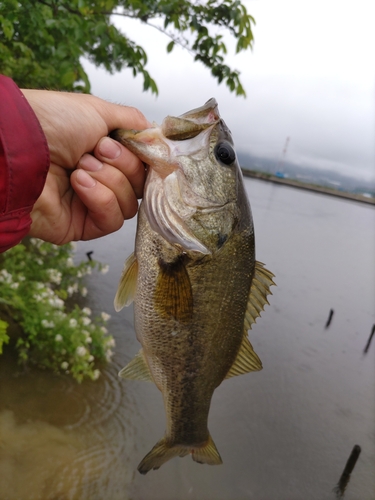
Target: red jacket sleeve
(24,163)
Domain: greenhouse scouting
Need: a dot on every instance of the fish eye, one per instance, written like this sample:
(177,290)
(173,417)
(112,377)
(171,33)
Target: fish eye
(224,153)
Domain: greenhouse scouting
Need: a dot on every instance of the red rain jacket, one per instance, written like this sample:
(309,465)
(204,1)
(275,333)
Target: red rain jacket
(24,163)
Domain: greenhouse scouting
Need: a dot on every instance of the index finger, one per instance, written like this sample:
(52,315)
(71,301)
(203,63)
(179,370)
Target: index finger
(112,152)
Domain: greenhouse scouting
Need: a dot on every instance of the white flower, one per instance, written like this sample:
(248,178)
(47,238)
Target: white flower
(105,316)
(95,374)
(47,324)
(72,289)
(39,286)
(54,276)
(56,302)
(81,351)
(90,358)
(21,278)
(39,261)
(5,277)
(86,321)
(87,311)
(59,314)
(69,262)
(104,269)
(79,274)
(14,286)
(103,329)
(64,365)
(108,354)
(73,245)
(88,340)
(73,322)
(110,342)
(84,291)
(86,333)
(58,338)
(88,270)
(35,242)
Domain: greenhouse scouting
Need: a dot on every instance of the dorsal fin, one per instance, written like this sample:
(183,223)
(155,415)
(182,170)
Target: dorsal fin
(260,288)
(173,293)
(246,361)
(128,283)
(137,369)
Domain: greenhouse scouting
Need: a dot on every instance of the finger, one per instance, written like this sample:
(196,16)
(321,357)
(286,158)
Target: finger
(113,153)
(104,214)
(113,179)
(119,116)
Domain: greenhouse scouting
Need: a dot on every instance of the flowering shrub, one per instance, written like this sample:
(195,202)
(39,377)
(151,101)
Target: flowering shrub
(40,285)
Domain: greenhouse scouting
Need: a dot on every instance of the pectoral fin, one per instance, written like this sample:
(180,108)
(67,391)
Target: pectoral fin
(173,294)
(128,283)
(137,369)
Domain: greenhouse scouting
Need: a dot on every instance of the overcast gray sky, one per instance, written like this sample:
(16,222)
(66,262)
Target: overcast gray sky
(310,77)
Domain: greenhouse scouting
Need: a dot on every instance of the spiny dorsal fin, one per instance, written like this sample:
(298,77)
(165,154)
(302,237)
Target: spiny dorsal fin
(260,288)
(246,361)
(173,294)
(128,283)
(137,369)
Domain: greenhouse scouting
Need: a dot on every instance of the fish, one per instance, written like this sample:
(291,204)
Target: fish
(193,277)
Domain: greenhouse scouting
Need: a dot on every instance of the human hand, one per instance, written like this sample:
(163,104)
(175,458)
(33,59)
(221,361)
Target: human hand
(93,182)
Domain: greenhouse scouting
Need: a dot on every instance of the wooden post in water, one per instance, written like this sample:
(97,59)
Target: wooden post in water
(345,476)
(369,340)
(329,318)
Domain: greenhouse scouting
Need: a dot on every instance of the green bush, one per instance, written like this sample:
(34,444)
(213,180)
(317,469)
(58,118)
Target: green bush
(39,287)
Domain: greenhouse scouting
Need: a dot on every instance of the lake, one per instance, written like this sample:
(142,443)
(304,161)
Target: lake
(284,433)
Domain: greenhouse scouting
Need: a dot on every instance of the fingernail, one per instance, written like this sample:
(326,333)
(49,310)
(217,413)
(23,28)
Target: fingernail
(85,179)
(109,148)
(89,162)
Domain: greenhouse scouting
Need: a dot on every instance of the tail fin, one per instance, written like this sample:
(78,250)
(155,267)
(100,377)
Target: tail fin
(162,452)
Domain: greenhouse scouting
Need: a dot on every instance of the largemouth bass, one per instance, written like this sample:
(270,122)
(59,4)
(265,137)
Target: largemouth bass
(196,285)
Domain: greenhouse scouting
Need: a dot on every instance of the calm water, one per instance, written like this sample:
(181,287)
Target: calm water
(284,433)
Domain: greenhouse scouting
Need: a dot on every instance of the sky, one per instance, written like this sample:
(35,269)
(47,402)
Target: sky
(310,77)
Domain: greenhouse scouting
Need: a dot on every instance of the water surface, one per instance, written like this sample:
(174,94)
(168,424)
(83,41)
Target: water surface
(284,433)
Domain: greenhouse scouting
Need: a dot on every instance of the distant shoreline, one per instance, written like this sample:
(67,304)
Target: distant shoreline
(309,187)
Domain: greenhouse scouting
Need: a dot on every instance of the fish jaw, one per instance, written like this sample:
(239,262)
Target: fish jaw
(160,147)
(150,146)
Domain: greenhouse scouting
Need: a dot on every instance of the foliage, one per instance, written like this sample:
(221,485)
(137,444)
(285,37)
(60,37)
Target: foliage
(4,337)
(40,286)
(42,42)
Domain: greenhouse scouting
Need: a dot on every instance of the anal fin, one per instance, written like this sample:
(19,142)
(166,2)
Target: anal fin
(137,369)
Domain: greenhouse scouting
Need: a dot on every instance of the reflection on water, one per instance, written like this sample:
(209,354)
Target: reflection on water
(283,433)
(63,440)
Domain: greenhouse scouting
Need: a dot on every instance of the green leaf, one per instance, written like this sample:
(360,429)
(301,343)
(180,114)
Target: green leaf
(4,338)
(42,42)
(7,27)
